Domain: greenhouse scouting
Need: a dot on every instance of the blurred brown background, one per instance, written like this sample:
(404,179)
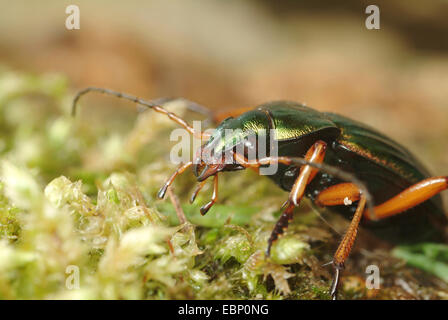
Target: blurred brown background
(236,53)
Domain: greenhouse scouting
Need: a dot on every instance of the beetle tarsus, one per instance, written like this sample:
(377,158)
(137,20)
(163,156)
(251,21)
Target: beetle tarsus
(280,226)
(205,208)
(193,197)
(162,192)
(335,283)
(196,191)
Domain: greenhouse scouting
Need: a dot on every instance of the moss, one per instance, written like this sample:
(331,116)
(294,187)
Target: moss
(430,257)
(77,201)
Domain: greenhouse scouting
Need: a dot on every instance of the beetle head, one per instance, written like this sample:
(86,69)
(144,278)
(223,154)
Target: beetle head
(216,154)
(205,166)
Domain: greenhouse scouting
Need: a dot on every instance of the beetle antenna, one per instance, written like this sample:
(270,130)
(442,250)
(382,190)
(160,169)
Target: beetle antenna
(313,207)
(144,103)
(190,105)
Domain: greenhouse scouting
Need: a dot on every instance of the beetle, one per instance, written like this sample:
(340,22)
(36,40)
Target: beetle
(345,164)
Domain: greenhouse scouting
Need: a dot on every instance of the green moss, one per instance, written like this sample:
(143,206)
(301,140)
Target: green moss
(430,257)
(289,250)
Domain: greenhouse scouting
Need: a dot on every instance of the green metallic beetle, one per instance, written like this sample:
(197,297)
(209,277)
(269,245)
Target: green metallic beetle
(406,205)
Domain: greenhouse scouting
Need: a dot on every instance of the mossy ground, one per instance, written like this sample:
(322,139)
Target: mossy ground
(79,194)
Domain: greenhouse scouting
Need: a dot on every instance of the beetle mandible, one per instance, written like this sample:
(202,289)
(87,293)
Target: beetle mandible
(334,161)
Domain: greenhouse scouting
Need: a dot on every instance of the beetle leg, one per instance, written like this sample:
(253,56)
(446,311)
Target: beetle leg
(346,245)
(414,195)
(204,209)
(338,194)
(335,282)
(409,198)
(343,193)
(281,225)
(197,190)
(170,180)
(315,154)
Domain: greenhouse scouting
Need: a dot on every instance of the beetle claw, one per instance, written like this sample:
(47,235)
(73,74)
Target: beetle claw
(335,283)
(162,192)
(193,197)
(205,208)
(196,191)
(268,250)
